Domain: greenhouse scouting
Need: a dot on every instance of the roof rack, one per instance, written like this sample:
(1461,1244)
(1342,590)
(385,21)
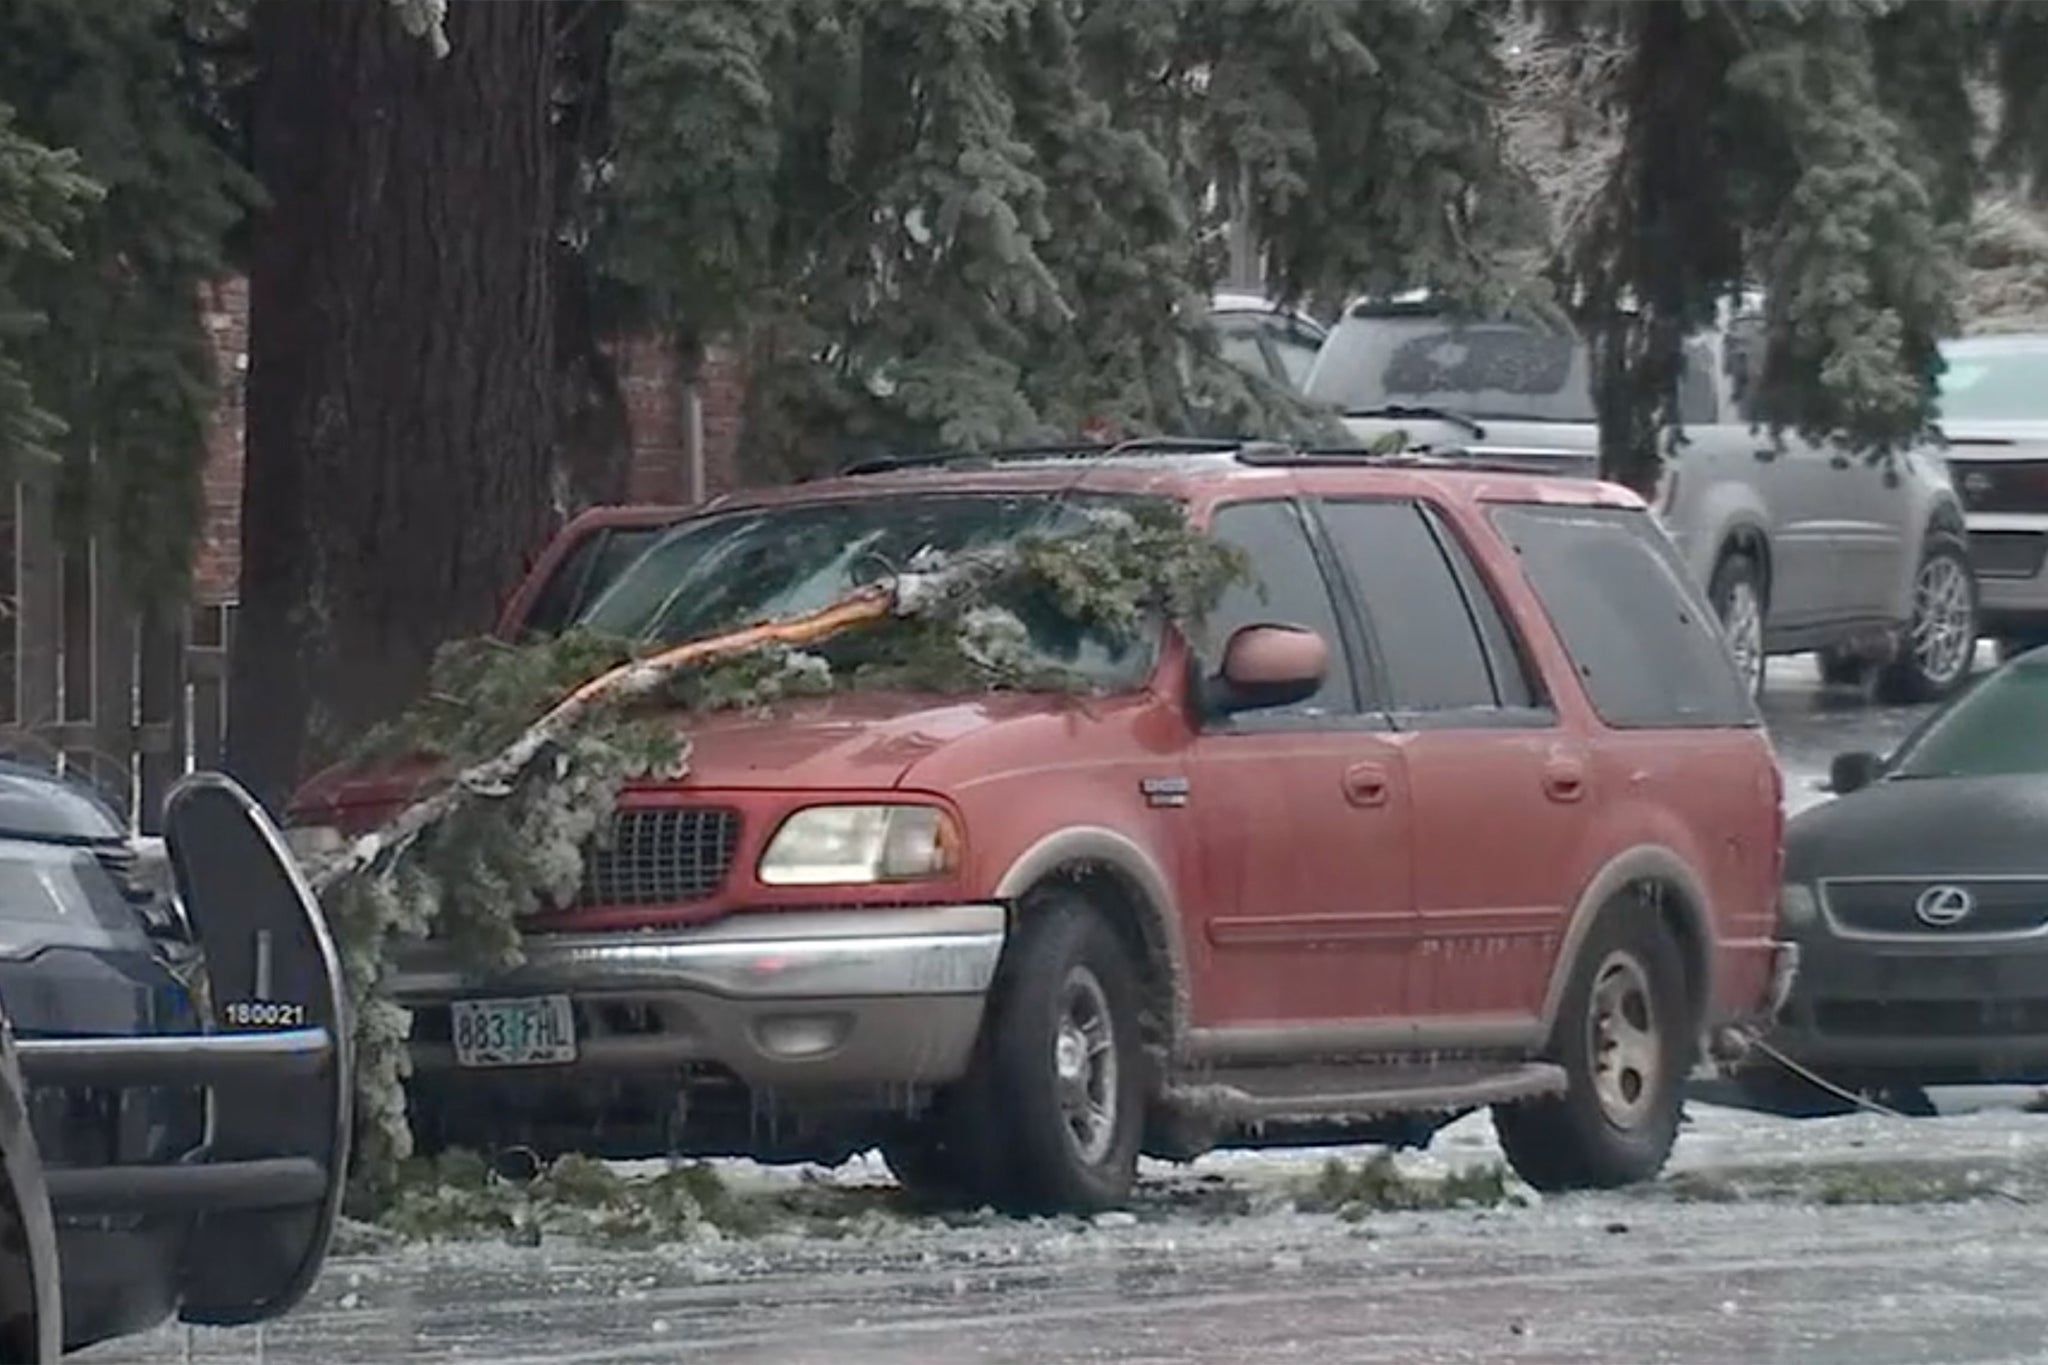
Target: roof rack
(1065,450)
(1246,450)
(1414,457)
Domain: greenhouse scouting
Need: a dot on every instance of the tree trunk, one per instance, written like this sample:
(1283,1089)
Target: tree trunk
(402,378)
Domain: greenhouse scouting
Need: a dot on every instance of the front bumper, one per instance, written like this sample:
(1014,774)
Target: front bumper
(2009,551)
(1933,1014)
(787,1001)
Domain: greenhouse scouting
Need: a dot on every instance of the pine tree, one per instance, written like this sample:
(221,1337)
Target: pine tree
(961,222)
(1828,153)
(40,198)
(120,358)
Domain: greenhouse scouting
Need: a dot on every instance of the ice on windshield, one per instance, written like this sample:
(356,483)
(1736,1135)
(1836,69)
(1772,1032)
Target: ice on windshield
(1497,370)
(718,573)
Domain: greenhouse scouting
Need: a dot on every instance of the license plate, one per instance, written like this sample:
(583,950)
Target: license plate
(536,1031)
(1939,978)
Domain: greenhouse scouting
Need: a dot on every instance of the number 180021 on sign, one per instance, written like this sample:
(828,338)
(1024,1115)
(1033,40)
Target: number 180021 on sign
(534,1031)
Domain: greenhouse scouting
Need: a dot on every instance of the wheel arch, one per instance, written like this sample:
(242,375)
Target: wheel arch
(1664,885)
(1946,519)
(1132,890)
(1746,537)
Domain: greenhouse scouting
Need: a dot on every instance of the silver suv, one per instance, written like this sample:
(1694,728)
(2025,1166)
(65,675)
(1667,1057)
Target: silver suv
(1800,547)
(1994,411)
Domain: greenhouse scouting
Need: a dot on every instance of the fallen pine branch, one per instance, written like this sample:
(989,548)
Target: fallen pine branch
(905,594)
(537,742)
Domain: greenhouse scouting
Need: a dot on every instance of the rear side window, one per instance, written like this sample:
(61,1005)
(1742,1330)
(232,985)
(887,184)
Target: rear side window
(1287,588)
(1642,638)
(1438,634)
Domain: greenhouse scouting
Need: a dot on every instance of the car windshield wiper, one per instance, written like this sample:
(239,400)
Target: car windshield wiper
(1398,411)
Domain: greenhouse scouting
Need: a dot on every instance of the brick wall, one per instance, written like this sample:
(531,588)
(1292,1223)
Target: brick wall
(657,398)
(650,379)
(224,309)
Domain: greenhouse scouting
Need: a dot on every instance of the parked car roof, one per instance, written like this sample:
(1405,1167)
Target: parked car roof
(1196,471)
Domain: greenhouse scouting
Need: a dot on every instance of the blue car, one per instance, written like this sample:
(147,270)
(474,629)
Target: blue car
(174,1068)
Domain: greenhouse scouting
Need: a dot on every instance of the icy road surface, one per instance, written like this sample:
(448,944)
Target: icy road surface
(1215,1268)
(1743,1256)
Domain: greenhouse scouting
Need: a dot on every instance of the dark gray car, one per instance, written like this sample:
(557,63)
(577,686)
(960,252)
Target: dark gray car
(1919,900)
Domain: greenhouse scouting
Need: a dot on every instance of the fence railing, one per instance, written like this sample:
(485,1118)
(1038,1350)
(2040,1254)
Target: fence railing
(125,697)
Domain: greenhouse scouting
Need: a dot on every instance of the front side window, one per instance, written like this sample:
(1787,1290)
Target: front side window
(1999,728)
(719,573)
(1643,640)
(1286,587)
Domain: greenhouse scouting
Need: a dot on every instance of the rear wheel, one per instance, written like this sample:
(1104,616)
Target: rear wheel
(1941,639)
(1622,1036)
(1738,595)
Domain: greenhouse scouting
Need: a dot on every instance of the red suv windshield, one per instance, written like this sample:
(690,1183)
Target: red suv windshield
(717,573)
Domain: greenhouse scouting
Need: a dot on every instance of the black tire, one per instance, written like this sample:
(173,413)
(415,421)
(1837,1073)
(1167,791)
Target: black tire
(1576,1140)
(932,1165)
(1734,577)
(1008,1135)
(1907,679)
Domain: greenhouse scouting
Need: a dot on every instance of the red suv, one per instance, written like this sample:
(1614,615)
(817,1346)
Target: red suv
(1459,802)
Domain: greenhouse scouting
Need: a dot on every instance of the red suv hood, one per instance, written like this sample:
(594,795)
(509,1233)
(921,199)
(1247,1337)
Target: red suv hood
(856,740)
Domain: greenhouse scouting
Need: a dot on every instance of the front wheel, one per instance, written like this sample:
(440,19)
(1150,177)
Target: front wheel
(1941,639)
(1050,1116)
(1622,1036)
(1737,595)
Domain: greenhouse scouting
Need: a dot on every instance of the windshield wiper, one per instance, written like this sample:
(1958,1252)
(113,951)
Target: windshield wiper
(1398,411)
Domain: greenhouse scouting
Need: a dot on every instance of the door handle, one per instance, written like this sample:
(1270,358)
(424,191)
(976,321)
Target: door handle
(1564,781)
(1365,784)
(1767,453)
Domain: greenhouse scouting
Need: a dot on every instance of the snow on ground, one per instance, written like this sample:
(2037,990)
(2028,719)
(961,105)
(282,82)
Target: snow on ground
(1233,1274)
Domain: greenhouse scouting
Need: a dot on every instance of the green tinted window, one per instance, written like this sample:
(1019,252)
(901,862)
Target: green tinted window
(1998,728)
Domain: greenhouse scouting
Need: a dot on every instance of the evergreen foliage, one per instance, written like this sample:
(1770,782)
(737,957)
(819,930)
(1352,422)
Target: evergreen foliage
(41,195)
(120,357)
(961,222)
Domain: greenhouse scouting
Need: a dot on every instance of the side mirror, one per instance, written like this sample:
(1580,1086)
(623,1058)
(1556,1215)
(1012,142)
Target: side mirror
(1269,665)
(1853,772)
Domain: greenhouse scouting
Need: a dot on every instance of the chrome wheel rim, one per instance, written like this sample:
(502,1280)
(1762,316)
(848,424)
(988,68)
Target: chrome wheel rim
(1744,623)
(1622,1041)
(1085,1066)
(1944,620)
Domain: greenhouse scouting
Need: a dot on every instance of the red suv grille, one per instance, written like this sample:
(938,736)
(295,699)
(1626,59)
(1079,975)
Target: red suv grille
(662,856)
